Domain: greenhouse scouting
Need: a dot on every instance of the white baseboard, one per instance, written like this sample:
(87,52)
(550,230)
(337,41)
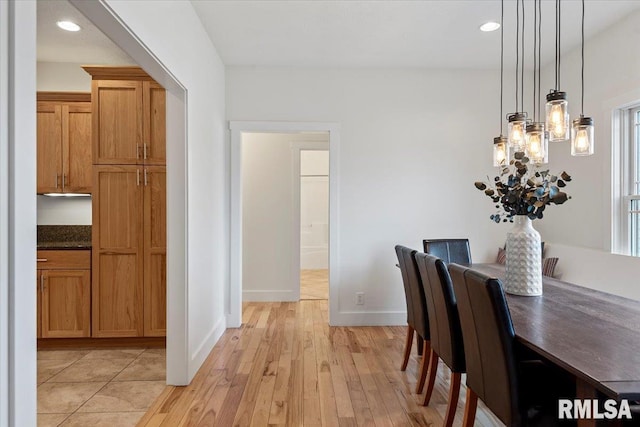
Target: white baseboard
(368,318)
(269,295)
(199,356)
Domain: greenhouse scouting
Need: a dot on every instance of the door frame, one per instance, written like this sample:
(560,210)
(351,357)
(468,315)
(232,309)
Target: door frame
(105,19)
(296,244)
(237,128)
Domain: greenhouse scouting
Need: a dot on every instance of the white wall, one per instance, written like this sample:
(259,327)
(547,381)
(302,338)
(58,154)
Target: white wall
(268,215)
(583,226)
(612,78)
(63,77)
(412,144)
(194,62)
(64,210)
(314,209)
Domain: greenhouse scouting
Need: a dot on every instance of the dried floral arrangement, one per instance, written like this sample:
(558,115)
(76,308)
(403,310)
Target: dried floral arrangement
(521,191)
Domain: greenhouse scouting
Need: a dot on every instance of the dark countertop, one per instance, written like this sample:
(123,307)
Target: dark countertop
(64,245)
(64,237)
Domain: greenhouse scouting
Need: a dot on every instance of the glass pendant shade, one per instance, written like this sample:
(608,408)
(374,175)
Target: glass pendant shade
(582,139)
(537,148)
(500,151)
(557,113)
(516,129)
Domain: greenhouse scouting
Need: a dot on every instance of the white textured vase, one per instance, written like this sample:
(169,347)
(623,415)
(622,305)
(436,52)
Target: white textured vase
(524,259)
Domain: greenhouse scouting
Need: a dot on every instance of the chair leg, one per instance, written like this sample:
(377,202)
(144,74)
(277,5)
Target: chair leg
(423,366)
(420,345)
(470,409)
(407,348)
(433,370)
(454,393)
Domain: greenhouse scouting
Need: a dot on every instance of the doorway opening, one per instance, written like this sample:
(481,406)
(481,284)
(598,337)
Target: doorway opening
(265,211)
(314,224)
(285,222)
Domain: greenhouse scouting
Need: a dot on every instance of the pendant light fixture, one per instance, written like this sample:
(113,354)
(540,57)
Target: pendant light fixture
(582,139)
(501,143)
(536,136)
(517,122)
(557,107)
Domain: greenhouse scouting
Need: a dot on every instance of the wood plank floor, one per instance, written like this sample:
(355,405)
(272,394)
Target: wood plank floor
(314,284)
(286,367)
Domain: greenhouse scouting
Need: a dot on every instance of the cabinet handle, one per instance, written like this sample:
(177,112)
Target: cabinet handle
(137,151)
(144,149)
(145,177)
(64,178)
(57,176)
(42,260)
(138,177)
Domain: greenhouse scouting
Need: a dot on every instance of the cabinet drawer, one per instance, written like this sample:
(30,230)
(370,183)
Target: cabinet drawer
(61,259)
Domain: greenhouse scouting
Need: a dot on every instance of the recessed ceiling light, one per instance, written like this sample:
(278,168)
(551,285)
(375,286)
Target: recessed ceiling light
(68,25)
(489,26)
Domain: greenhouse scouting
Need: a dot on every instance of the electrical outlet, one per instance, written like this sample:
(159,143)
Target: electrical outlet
(359,298)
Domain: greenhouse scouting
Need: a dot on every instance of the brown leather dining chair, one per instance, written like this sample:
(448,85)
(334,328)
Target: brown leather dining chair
(519,391)
(417,318)
(444,326)
(449,250)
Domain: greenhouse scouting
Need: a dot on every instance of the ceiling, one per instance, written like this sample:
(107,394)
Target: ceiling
(344,33)
(88,46)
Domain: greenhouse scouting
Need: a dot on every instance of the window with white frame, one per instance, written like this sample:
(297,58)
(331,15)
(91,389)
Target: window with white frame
(633,197)
(628,237)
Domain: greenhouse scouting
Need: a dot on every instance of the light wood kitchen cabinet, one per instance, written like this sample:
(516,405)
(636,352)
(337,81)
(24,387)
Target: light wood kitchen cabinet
(117,234)
(129,251)
(129,120)
(64,160)
(129,203)
(155,251)
(64,293)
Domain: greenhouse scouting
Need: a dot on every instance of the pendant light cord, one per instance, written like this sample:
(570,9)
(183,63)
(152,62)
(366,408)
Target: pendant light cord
(517,50)
(539,54)
(501,59)
(535,59)
(522,66)
(557,31)
(582,66)
(559,41)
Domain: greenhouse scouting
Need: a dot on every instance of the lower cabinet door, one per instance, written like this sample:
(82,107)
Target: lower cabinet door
(66,303)
(39,282)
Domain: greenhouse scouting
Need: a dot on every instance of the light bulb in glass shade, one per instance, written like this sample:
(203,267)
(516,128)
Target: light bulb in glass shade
(557,114)
(537,143)
(516,129)
(500,151)
(582,137)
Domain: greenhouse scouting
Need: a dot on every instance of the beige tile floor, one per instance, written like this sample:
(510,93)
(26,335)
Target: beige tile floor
(314,284)
(98,387)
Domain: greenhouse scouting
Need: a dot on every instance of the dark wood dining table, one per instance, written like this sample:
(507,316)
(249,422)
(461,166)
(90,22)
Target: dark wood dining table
(593,335)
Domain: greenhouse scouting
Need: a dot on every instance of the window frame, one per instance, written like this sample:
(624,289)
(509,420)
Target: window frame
(629,190)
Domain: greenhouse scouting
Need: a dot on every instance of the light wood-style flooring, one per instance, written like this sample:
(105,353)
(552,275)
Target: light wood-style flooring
(286,367)
(314,284)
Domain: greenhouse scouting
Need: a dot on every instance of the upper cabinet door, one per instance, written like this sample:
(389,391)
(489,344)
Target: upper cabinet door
(154,145)
(76,147)
(117,121)
(49,156)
